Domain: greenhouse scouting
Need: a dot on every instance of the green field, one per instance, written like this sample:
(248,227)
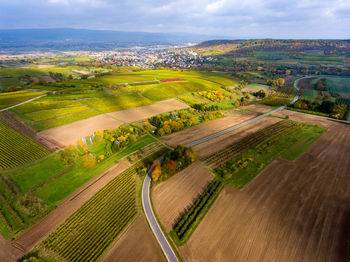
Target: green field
(13,98)
(48,112)
(29,178)
(86,234)
(31,191)
(257,87)
(339,84)
(63,186)
(77,99)
(16,150)
(116,103)
(288,143)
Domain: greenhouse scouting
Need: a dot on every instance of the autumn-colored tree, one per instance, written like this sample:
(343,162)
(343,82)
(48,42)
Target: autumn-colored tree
(280,82)
(157,171)
(88,160)
(99,134)
(11,89)
(338,111)
(82,146)
(68,156)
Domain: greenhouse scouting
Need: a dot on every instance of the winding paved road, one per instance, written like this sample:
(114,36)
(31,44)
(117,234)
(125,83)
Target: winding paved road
(29,100)
(157,231)
(146,202)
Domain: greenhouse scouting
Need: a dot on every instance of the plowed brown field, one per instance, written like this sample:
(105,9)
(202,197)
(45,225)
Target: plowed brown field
(258,108)
(173,196)
(219,143)
(292,211)
(71,133)
(137,244)
(197,132)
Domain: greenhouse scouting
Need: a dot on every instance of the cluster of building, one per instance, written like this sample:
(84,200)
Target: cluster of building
(153,58)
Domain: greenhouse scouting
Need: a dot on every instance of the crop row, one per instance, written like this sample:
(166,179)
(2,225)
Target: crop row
(12,98)
(56,112)
(86,234)
(15,149)
(245,143)
(186,223)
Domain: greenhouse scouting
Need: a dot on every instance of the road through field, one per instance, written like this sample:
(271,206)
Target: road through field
(27,101)
(146,203)
(157,231)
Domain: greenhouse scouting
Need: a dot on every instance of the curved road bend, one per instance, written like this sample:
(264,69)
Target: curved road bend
(157,231)
(146,202)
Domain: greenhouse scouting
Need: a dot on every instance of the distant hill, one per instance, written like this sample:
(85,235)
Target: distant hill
(82,39)
(244,46)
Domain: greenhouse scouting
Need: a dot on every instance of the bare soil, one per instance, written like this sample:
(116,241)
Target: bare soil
(292,211)
(136,244)
(219,143)
(142,112)
(7,251)
(71,133)
(258,108)
(197,132)
(170,198)
(39,231)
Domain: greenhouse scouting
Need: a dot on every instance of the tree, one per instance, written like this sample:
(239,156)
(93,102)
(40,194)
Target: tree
(88,160)
(338,111)
(11,89)
(157,171)
(68,156)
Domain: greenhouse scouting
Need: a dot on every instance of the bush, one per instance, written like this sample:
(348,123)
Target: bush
(68,156)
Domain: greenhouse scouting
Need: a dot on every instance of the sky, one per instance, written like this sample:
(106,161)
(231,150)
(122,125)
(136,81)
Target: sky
(232,18)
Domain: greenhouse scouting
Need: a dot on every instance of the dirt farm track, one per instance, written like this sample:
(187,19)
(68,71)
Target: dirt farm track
(292,211)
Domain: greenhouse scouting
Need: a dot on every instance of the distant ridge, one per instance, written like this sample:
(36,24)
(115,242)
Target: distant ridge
(277,45)
(84,39)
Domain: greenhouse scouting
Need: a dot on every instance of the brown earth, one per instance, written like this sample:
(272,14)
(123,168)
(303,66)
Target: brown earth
(71,133)
(197,132)
(219,143)
(7,251)
(258,108)
(170,198)
(137,244)
(68,206)
(292,211)
(138,113)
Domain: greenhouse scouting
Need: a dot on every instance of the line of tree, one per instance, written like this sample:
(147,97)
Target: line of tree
(331,108)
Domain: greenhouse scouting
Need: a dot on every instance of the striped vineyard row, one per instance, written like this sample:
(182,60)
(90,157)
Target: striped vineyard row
(16,150)
(190,219)
(86,234)
(247,142)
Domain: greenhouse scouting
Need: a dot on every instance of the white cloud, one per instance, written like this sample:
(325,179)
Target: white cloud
(240,18)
